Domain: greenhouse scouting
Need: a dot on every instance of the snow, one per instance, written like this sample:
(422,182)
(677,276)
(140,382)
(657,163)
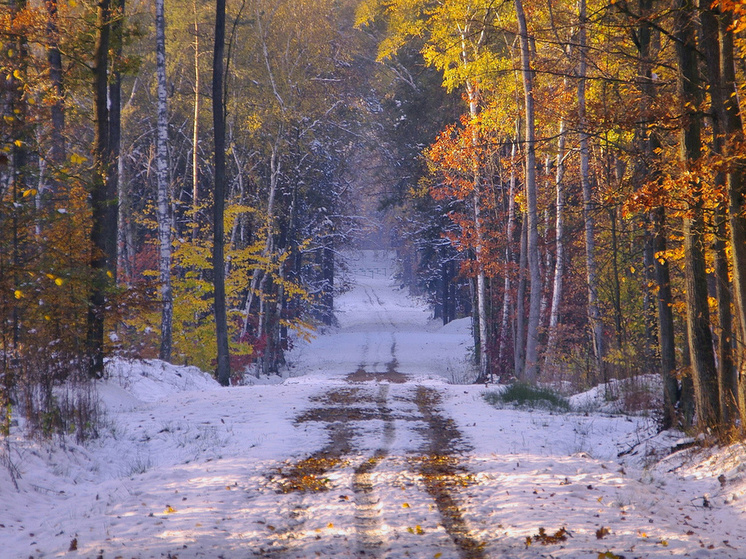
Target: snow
(184,468)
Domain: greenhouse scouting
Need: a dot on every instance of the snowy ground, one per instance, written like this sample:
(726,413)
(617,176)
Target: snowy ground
(412,464)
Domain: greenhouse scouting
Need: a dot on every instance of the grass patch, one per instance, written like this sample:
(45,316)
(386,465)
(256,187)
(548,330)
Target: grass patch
(528,396)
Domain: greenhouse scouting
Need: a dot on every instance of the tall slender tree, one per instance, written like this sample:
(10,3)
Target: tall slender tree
(591,267)
(100,262)
(689,86)
(218,247)
(164,197)
(532,335)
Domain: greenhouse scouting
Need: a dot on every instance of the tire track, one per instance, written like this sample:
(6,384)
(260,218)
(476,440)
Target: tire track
(368,513)
(442,473)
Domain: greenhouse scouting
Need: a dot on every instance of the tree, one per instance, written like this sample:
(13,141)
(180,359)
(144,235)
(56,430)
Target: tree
(594,316)
(532,337)
(164,198)
(704,372)
(218,251)
(102,262)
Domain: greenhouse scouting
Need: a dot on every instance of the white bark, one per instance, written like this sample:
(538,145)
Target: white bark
(594,316)
(195,128)
(559,234)
(531,370)
(164,206)
(508,254)
(472,92)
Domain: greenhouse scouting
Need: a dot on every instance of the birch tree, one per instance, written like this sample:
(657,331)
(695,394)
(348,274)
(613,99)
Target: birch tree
(164,197)
(594,315)
(532,335)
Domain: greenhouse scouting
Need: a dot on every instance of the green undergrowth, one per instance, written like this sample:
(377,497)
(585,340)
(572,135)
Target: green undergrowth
(526,396)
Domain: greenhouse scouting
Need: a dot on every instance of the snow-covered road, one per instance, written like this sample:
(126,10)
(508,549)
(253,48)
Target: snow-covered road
(367,450)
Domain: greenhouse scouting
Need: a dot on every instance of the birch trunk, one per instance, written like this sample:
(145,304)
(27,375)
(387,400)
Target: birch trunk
(559,234)
(594,316)
(507,299)
(164,205)
(481,280)
(531,370)
(195,129)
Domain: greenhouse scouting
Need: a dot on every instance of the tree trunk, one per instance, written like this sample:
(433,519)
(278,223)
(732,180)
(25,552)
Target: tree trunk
(164,200)
(559,234)
(218,252)
(115,138)
(509,255)
(327,289)
(727,378)
(99,261)
(736,188)
(195,129)
(704,372)
(519,351)
(594,314)
(57,149)
(531,369)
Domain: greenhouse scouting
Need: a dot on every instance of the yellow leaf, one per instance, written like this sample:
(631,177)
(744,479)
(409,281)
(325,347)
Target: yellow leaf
(29,192)
(169,510)
(405,505)
(664,543)
(77,159)
(437,555)
(330,525)
(18,143)
(418,530)
(109,274)
(50,276)
(17,74)
(59,281)
(18,294)
(72,3)
(47,317)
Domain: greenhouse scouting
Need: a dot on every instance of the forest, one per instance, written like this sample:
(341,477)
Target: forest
(180,179)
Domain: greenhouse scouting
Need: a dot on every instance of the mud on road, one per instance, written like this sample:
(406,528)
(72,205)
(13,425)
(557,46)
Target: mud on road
(418,447)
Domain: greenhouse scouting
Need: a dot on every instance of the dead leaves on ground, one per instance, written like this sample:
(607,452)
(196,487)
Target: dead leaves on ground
(602,532)
(544,538)
(308,475)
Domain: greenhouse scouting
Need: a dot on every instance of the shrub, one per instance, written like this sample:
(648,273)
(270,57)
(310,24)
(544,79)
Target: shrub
(527,396)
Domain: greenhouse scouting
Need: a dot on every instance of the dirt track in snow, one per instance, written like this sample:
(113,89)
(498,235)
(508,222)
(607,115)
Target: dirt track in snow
(387,402)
